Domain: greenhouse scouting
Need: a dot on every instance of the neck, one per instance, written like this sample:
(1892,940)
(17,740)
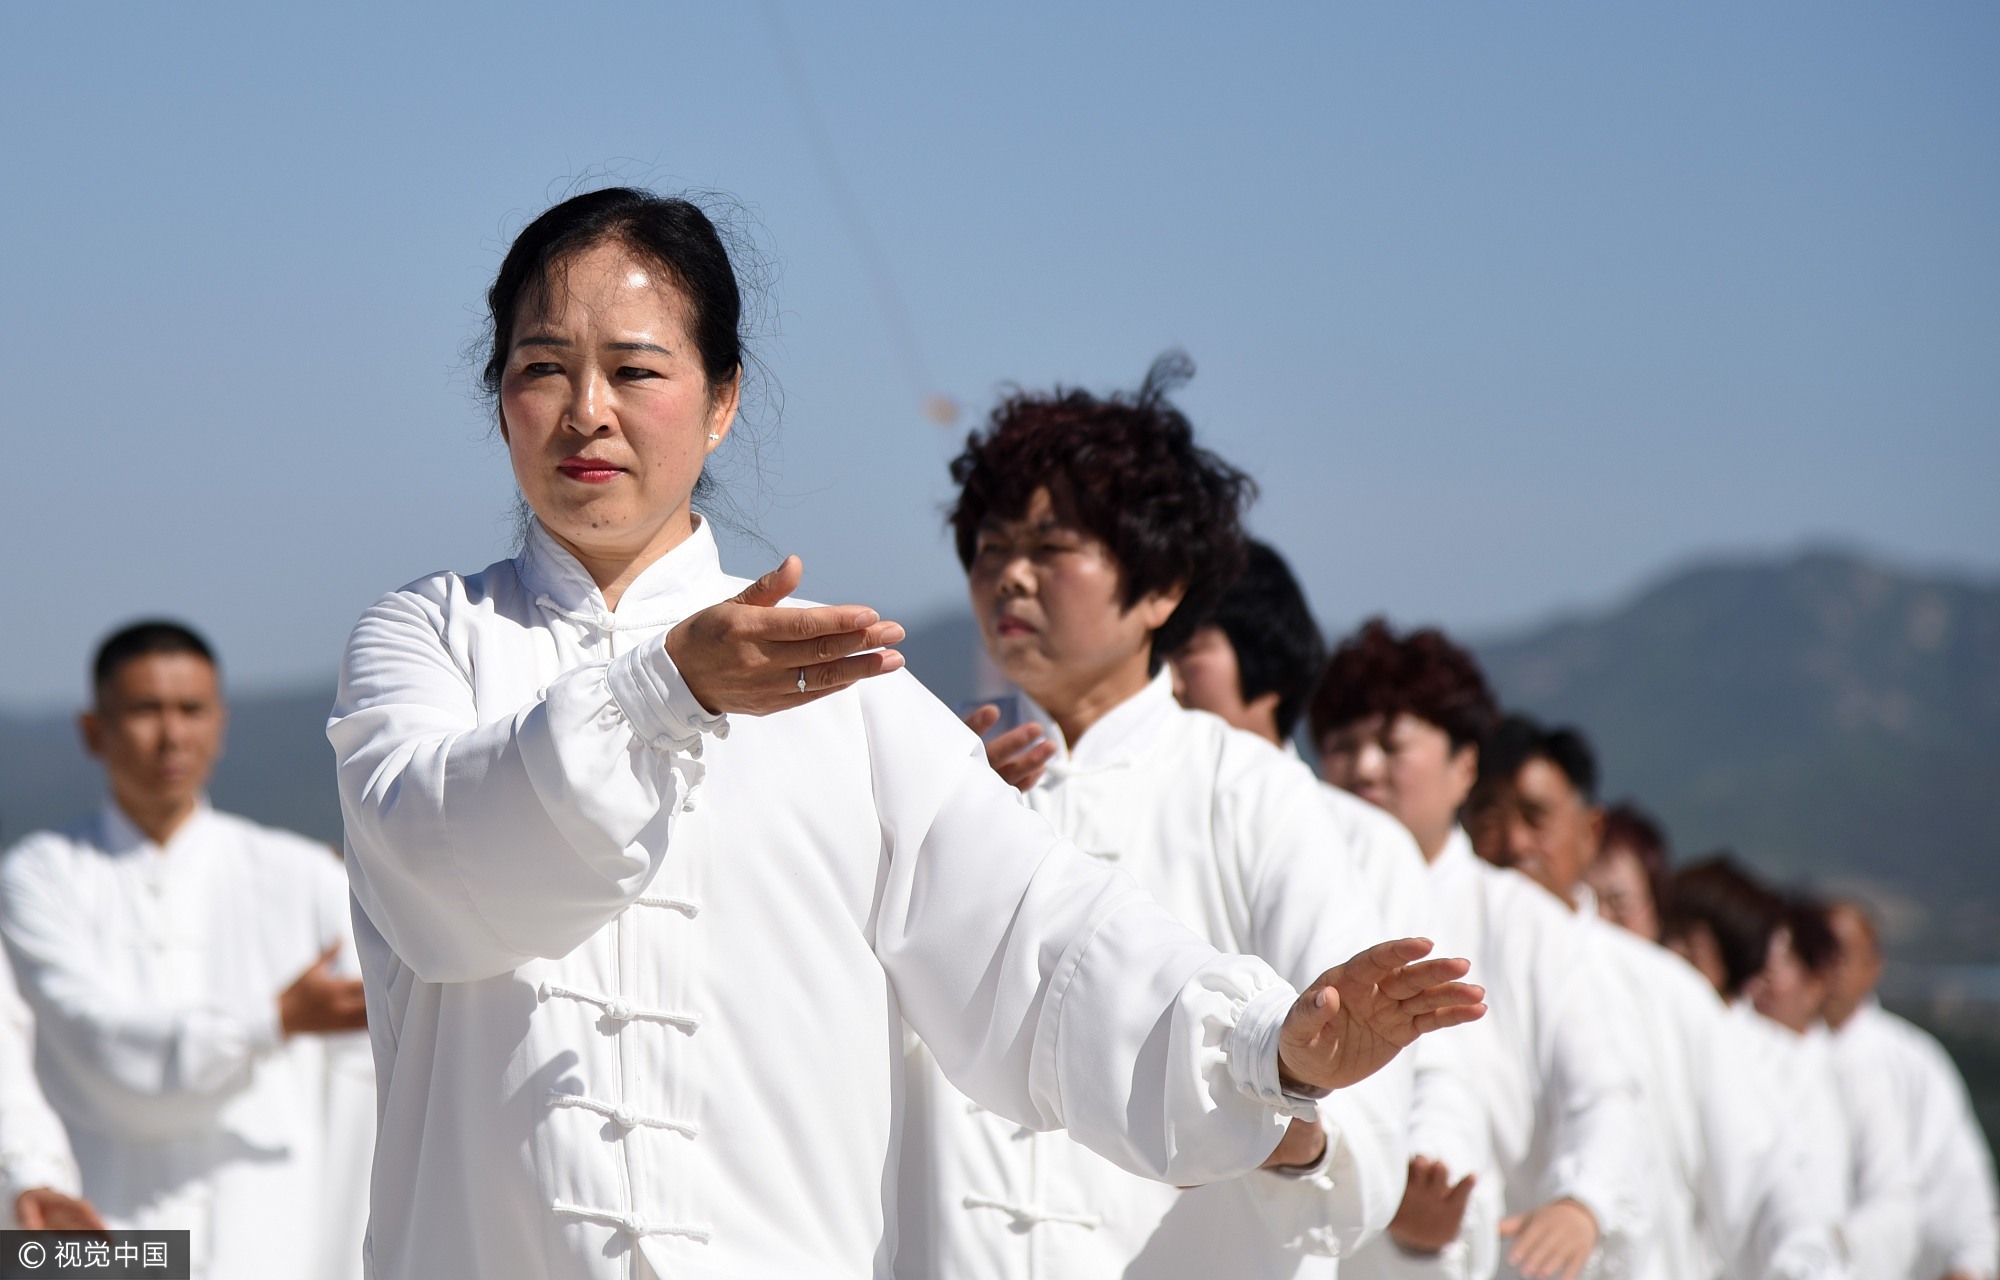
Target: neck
(157,819)
(1075,711)
(1433,842)
(615,570)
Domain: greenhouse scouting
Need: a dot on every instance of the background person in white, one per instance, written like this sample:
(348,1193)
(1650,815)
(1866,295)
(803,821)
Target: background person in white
(1717,1192)
(1960,1210)
(1255,664)
(1094,532)
(651,869)
(172,956)
(1399,720)
(39,1183)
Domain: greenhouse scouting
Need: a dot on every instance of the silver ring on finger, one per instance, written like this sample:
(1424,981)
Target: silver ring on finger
(802,679)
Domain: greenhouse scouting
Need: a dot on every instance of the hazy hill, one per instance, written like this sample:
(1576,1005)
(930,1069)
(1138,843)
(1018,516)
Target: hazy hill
(1825,715)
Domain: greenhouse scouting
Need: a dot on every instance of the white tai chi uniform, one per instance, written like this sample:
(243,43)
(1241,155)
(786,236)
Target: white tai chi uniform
(34,1150)
(1719,1199)
(154,975)
(637,974)
(1960,1229)
(1230,834)
(1541,1106)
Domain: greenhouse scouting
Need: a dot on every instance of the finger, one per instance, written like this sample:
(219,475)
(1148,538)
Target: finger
(28,1212)
(832,677)
(1446,995)
(980,719)
(825,646)
(779,627)
(1508,1226)
(1021,761)
(326,956)
(1461,1193)
(1576,1265)
(1017,740)
(775,585)
(1456,1016)
(1407,981)
(1375,964)
(1024,781)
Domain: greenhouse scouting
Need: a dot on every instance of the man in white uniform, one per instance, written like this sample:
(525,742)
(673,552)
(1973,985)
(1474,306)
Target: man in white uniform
(1960,1230)
(1718,1189)
(1556,1122)
(1094,531)
(179,964)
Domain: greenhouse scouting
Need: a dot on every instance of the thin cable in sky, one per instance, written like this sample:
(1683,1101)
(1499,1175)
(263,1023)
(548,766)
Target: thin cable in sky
(939,408)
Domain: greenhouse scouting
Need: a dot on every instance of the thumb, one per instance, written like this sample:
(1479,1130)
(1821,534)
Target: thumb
(326,956)
(775,585)
(1509,1226)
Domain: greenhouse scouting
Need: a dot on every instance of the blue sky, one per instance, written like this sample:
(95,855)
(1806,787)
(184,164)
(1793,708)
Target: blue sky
(1509,308)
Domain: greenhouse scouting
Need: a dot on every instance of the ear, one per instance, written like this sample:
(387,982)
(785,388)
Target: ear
(723,402)
(91,729)
(1462,769)
(1156,608)
(1594,816)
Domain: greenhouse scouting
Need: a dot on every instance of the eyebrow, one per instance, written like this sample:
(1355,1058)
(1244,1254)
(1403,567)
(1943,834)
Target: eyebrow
(550,340)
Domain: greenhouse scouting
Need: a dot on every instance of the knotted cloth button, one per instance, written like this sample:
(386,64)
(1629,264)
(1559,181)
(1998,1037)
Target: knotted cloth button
(637,1225)
(624,1118)
(618,1011)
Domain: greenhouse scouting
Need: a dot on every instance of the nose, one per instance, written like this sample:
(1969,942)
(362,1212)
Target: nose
(1017,576)
(1371,763)
(589,404)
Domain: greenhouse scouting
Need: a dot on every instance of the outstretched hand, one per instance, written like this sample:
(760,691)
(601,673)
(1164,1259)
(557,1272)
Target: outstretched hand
(1433,1207)
(1019,755)
(46,1209)
(1359,1015)
(1553,1242)
(745,655)
(321,1002)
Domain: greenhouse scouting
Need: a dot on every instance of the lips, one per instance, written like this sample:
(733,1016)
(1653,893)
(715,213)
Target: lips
(590,470)
(1011,627)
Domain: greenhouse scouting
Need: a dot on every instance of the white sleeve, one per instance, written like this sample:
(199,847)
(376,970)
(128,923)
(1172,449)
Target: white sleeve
(1963,1211)
(34,1149)
(1881,1228)
(158,1056)
(1309,909)
(476,847)
(1051,989)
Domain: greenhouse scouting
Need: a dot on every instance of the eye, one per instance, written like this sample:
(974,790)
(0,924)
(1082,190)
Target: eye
(540,369)
(633,373)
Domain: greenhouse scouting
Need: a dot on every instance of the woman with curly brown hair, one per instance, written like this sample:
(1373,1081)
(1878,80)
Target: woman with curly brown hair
(1550,1131)
(1097,535)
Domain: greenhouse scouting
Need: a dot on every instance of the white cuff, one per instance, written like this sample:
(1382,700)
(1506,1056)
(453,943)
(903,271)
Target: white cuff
(1253,1053)
(657,703)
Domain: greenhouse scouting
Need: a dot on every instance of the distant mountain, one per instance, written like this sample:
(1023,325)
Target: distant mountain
(1830,718)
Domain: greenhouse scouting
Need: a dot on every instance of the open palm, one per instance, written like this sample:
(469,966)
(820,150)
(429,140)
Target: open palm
(1357,1016)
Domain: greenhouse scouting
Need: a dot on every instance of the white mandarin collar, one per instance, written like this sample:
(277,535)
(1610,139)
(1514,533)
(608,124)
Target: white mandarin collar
(121,835)
(1124,732)
(675,585)
(1457,857)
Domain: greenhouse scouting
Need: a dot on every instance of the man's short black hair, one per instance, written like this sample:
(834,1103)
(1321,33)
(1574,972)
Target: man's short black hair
(1737,908)
(153,635)
(1278,645)
(1520,739)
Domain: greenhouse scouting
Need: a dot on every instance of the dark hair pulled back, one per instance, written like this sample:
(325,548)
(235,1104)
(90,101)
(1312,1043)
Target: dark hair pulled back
(667,231)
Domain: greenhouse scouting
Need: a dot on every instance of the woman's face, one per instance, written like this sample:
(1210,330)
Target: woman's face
(1624,894)
(1049,599)
(607,413)
(1785,990)
(1405,765)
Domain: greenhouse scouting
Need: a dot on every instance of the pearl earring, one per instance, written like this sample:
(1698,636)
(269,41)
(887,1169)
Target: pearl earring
(713,437)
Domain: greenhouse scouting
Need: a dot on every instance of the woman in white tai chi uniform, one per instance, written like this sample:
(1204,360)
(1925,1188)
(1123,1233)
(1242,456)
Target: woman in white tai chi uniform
(1095,533)
(650,870)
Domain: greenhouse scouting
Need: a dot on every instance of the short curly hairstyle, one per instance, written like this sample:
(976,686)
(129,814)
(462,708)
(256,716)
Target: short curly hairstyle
(1376,672)
(1127,471)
